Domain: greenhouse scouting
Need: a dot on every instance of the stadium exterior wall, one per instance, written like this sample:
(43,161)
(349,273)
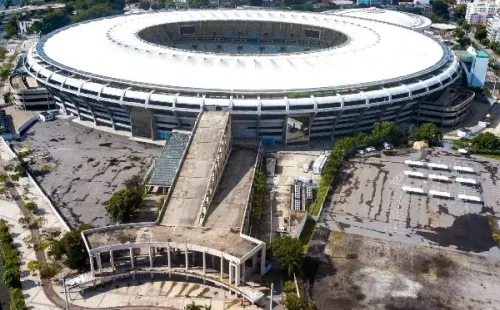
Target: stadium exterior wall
(333,112)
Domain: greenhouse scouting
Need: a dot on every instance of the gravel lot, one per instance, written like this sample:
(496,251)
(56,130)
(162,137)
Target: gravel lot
(356,272)
(79,167)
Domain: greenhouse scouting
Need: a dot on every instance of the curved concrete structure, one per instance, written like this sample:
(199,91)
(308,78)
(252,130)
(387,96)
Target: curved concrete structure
(142,74)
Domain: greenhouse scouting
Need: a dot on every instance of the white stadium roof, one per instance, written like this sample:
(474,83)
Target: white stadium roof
(110,49)
(413,21)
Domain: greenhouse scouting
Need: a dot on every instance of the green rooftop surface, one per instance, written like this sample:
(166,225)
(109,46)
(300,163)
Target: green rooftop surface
(482,54)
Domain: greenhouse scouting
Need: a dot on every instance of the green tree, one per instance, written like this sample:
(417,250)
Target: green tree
(123,204)
(36,27)
(17,300)
(289,287)
(33,266)
(144,5)
(293,302)
(441,9)
(413,133)
(485,42)
(55,19)
(12,28)
(11,276)
(194,306)
(464,41)
(481,33)
(459,10)
(429,133)
(198,3)
(134,182)
(288,252)
(70,249)
(31,206)
(458,33)
(383,131)
(486,141)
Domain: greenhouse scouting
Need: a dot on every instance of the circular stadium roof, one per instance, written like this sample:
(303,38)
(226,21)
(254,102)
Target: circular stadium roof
(413,21)
(110,49)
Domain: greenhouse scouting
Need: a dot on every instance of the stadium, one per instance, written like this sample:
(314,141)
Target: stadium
(284,75)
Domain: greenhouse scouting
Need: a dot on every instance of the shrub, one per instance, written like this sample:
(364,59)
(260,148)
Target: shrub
(17,300)
(33,266)
(49,270)
(31,206)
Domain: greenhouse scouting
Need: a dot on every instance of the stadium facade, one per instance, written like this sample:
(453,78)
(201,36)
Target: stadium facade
(289,76)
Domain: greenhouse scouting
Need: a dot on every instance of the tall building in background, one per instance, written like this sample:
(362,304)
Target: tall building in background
(475,65)
(478,12)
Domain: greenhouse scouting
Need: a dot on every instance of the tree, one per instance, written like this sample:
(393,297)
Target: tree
(55,19)
(33,266)
(70,249)
(123,204)
(288,252)
(458,32)
(486,141)
(134,182)
(197,3)
(413,133)
(464,41)
(11,276)
(194,306)
(11,29)
(441,9)
(384,131)
(481,33)
(36,27)
(31,206)
(293,302)
(429,133)
(144,5)
(485,42)
(459,10)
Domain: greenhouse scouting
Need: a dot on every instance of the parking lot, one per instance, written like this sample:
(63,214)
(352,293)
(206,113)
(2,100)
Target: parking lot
(79,167)
(369,199)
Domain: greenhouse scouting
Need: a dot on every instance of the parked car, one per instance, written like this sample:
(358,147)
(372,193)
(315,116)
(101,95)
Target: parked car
(361,152)
(370,149)
(387,146)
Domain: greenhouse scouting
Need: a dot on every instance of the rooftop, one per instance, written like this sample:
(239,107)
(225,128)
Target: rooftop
(228,241)
(188,192)
(110,49)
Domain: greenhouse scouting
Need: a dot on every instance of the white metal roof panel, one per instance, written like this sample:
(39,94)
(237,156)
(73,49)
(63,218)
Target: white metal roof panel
(110,48)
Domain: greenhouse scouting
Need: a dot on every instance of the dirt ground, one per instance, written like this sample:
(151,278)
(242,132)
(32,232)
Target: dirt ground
(346,271)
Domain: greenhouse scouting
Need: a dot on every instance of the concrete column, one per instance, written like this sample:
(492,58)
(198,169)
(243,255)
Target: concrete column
(169,262)
(243,271)
(237,278)
(213,261)
(230,273)
(254,262)
(112,259)
(221,267)
(263,261)
(132,263)
(91,264)
(204,264)
(187,258)
(99,262)
(151,256)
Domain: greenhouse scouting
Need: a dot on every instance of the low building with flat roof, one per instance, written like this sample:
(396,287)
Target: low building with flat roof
(28,94)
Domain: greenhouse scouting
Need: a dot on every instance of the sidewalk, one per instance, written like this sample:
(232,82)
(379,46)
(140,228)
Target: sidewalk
(10,212)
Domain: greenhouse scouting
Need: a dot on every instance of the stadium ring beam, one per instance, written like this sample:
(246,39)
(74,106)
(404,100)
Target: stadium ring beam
(332,75)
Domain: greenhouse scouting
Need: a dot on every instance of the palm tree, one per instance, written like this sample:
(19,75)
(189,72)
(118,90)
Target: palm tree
(194,306)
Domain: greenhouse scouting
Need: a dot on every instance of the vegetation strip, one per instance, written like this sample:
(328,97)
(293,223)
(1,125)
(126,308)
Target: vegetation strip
(11,270)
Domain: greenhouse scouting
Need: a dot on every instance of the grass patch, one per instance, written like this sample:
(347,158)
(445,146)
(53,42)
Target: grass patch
(491,156)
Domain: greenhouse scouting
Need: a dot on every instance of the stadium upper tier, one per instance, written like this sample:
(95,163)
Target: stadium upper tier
(412,21)
(253,63)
